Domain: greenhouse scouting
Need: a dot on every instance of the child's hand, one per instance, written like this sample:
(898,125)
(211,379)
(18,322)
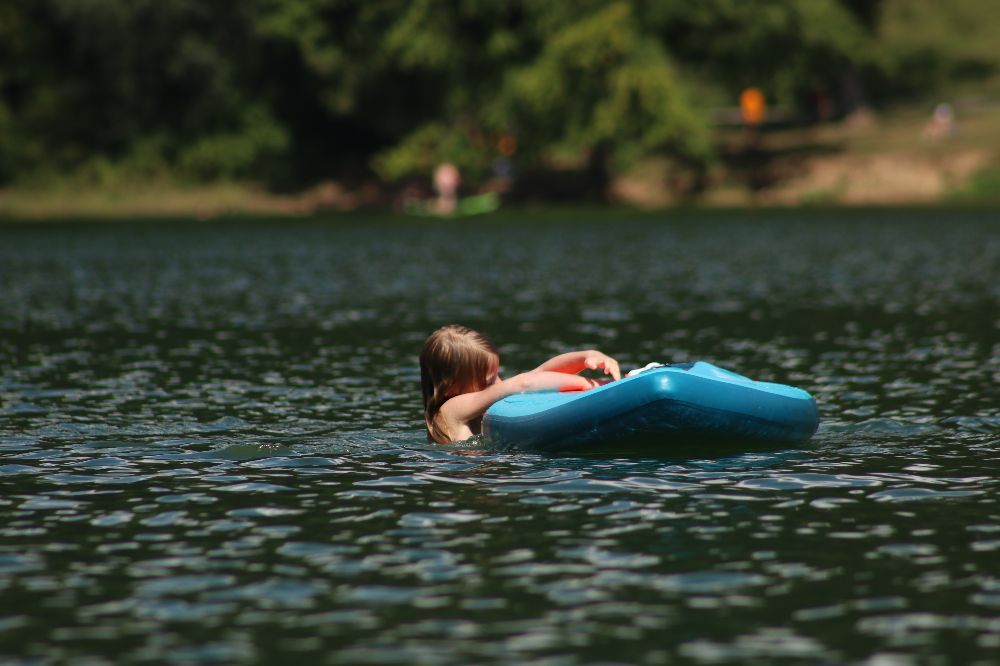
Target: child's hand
(577,361)
(595,359)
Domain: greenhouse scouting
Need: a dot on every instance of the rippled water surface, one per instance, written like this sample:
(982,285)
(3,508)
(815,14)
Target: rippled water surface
(211,447)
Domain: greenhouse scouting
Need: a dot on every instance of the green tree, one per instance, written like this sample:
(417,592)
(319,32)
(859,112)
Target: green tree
(602,85)
(292,90)
(583,79)
(142,81)
(787,47)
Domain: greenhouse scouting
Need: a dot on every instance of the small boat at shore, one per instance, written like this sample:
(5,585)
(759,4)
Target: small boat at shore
(477,204)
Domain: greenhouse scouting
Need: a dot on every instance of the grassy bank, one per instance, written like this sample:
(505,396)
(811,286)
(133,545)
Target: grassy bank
(166,199)
(878,159)
(883,159)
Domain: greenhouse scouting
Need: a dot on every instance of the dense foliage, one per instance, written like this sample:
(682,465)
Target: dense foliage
(292,90)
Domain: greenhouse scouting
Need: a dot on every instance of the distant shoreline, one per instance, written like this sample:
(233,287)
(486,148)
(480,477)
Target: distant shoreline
(885,162)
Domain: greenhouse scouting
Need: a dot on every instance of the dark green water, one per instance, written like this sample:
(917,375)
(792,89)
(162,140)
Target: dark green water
(211,448)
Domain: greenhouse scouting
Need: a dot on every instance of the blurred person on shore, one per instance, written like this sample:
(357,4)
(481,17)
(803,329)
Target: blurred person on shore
(942,124)
(447,180)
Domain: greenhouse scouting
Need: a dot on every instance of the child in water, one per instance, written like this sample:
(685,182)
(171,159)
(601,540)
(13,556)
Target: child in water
(459,378)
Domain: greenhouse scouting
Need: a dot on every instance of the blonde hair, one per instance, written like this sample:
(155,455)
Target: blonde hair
(454,360)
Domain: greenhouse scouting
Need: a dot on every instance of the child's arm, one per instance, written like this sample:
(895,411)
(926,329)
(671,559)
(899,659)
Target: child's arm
(466,408)
(577,361)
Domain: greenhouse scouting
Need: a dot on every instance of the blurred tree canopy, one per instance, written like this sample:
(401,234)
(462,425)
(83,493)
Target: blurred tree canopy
(289,91)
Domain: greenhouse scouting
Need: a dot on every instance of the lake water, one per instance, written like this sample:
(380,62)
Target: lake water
(211,447)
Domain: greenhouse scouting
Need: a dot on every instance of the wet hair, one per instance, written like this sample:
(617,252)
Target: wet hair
(454,360)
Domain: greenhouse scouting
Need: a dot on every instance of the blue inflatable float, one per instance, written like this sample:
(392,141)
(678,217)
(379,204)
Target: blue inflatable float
(687,402)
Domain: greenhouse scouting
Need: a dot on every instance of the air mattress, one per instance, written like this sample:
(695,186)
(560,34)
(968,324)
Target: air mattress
(684,402)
